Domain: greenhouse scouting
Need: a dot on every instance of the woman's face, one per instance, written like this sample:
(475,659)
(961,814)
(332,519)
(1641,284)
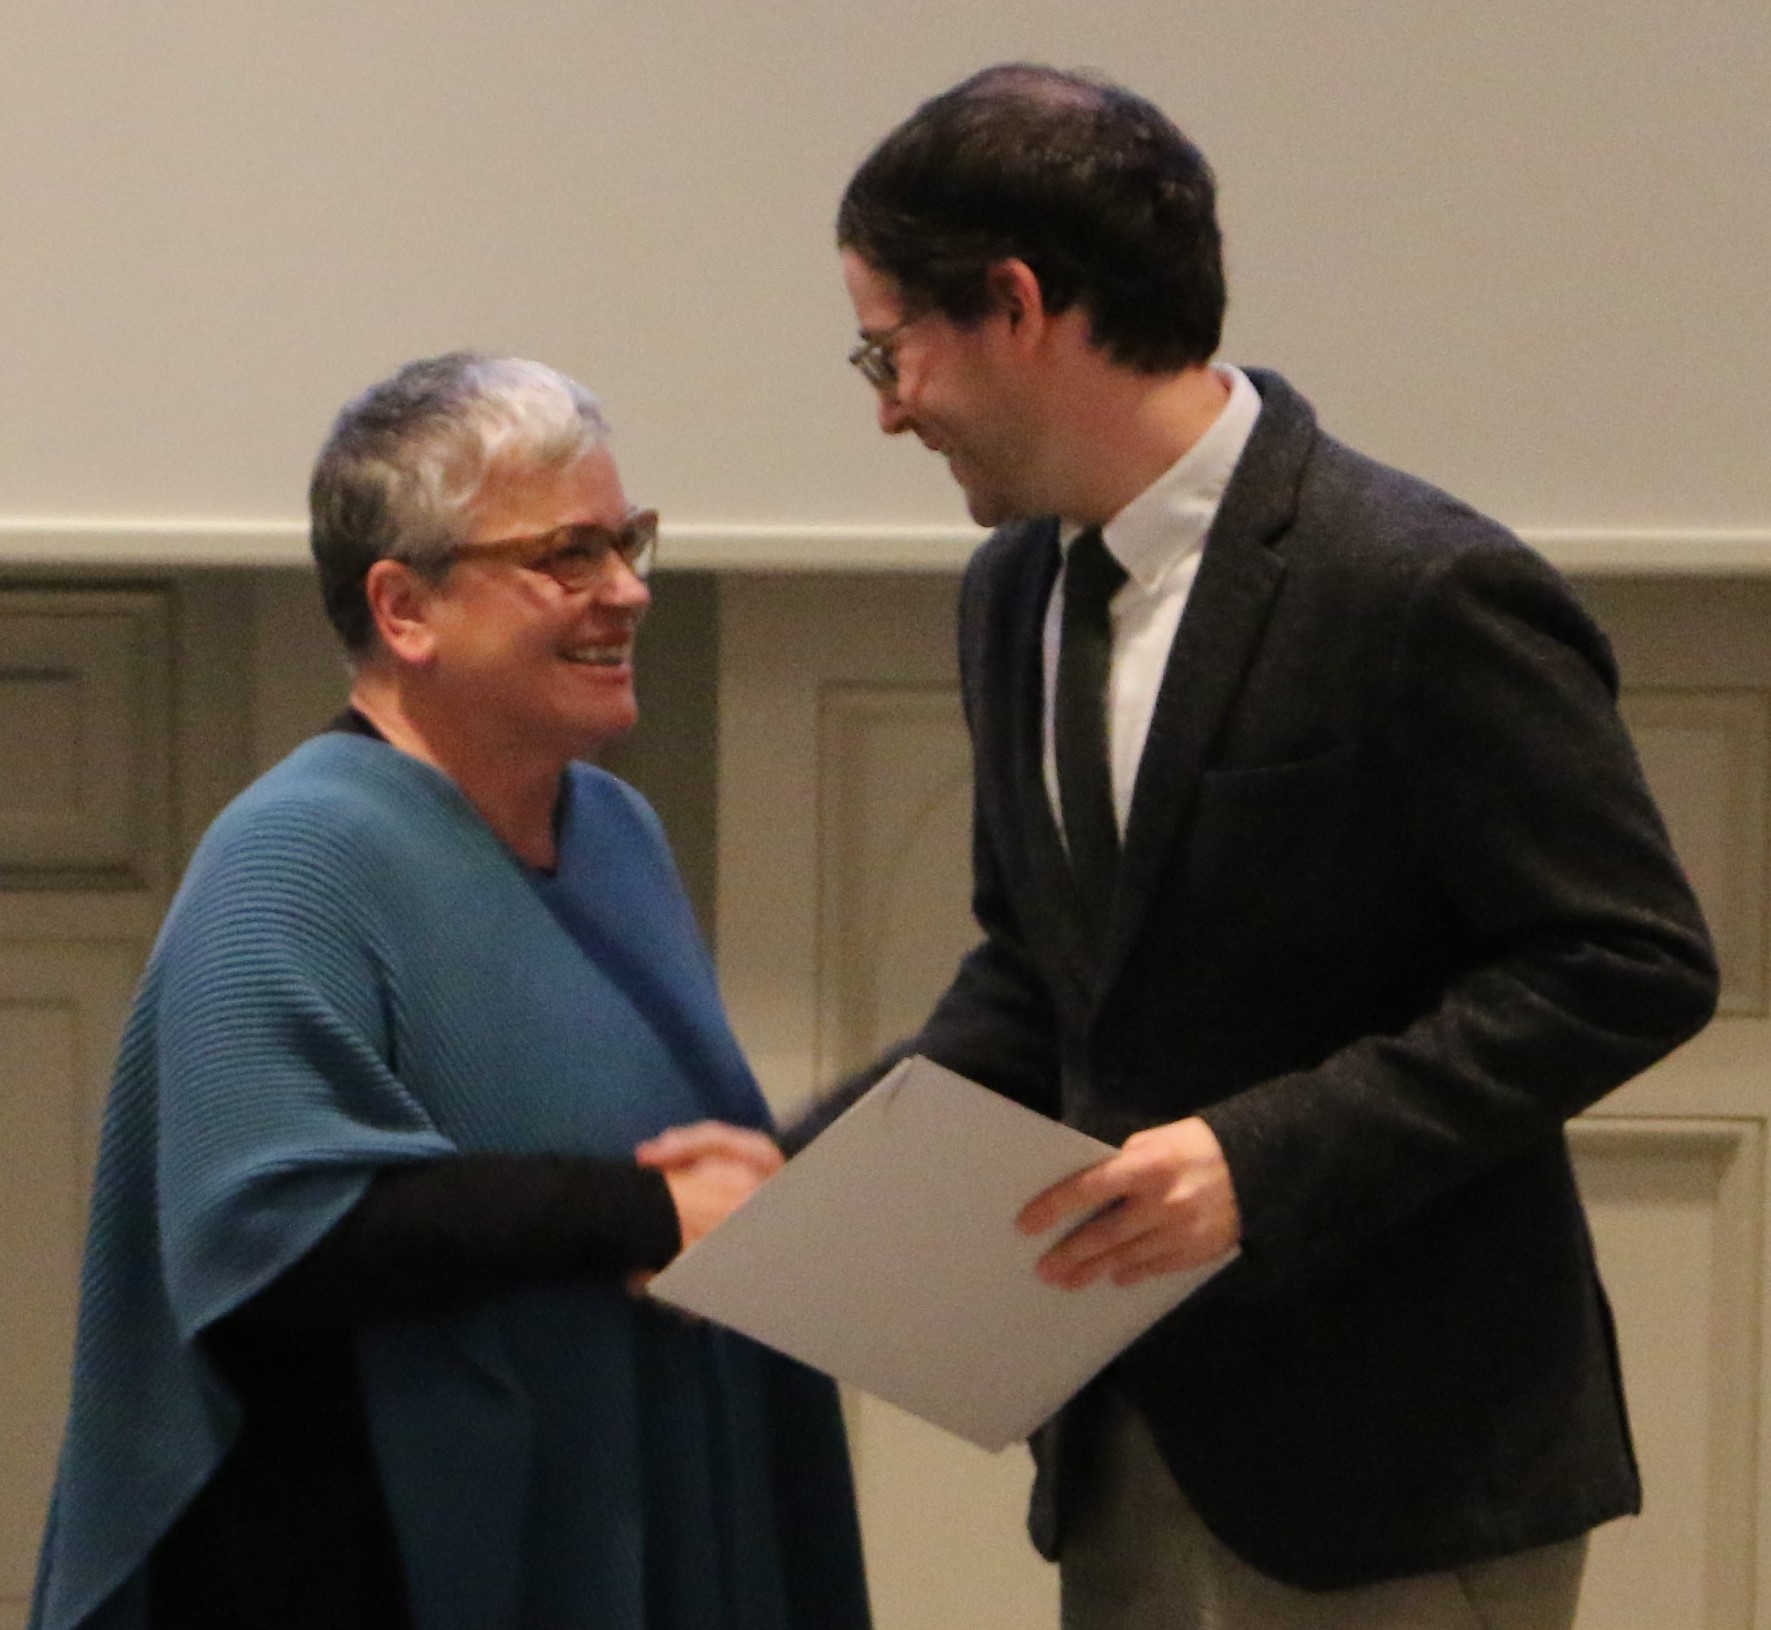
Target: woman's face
(550,665)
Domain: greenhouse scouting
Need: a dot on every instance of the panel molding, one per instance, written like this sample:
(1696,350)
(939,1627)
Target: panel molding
(88,672)
(1646,1175)
(1707,756)
(61,1006)
(894,806)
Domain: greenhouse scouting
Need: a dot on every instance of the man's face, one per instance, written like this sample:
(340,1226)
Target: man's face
(957,389)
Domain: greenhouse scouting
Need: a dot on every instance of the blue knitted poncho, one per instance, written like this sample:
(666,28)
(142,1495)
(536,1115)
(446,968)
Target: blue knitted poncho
(356,974)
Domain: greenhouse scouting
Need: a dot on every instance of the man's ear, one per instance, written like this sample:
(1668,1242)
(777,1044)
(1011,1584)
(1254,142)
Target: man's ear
(1016,295)
(401,601)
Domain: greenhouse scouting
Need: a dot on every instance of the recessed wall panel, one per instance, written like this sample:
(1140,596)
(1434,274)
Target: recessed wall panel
(1705,755)
(83,764)
(59,1010)
(894,845)
(1676,1216)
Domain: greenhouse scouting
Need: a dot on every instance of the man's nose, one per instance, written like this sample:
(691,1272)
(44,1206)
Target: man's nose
(893,420)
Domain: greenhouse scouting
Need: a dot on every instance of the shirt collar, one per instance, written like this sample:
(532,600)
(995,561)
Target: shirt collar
(1168,520)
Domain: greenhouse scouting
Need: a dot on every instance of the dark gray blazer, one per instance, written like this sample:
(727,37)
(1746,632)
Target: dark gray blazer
(1394,905)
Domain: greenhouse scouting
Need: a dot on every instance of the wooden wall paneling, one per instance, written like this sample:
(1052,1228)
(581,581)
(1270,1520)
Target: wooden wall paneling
(1677,1208)
(84,776)
(60,1009)
(1705,755)
(125,724)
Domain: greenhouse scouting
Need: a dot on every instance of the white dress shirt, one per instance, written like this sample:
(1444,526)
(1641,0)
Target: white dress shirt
(1158,538)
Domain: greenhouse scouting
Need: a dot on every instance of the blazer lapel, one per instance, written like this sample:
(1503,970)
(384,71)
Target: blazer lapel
(1239,574)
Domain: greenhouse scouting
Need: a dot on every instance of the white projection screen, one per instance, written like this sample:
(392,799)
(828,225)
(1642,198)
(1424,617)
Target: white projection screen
(1517,248)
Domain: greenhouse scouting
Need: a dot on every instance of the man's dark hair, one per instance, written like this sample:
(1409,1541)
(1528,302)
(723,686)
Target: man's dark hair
(1093,187)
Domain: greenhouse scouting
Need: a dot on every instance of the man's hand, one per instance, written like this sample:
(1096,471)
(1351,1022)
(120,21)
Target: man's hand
(711,1169)
(1169,1204)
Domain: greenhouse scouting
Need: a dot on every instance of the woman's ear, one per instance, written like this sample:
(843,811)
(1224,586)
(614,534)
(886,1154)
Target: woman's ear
(401,602)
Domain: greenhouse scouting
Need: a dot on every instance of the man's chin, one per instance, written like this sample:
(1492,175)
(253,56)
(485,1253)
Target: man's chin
(990,508)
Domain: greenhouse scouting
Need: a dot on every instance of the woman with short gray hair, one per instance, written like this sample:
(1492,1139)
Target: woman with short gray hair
(363,1341)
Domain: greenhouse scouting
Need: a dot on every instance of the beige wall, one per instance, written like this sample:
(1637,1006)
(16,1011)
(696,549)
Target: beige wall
(1517,247)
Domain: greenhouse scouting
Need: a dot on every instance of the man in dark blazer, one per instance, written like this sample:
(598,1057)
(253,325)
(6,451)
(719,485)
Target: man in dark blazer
(1361,899)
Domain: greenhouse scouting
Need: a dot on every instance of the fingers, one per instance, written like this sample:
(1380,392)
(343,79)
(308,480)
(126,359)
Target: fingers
(1164,1203)
(682,1145)
(711,1168)
(1134,1242)
(1148,1160)
(707,1191)
(1085,1254)
(1076,1196)
(677,1145)
(1147,1258)
(1132,1172)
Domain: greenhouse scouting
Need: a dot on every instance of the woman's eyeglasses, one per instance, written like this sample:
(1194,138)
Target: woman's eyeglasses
(577,556)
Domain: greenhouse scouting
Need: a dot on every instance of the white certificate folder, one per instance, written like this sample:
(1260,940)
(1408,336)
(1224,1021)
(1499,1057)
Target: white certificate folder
(886,1253)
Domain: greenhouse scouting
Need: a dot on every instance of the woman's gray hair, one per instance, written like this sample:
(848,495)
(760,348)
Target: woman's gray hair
(408,459)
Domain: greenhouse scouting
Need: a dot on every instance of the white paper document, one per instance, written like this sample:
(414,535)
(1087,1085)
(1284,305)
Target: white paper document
(886,1253)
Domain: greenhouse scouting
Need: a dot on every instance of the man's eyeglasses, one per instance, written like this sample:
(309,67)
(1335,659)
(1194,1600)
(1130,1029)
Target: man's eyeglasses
(876,357)
(577,556)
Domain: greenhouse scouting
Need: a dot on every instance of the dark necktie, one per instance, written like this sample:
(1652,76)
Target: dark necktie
(1079,722)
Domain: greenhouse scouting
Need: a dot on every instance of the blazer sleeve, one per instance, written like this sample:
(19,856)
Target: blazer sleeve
(995,1023)
(1586,956)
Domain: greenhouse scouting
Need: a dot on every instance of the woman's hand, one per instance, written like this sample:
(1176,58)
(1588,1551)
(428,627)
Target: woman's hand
(711,1169)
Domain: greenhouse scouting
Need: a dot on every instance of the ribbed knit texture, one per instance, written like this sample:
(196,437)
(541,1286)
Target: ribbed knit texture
(356,974)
